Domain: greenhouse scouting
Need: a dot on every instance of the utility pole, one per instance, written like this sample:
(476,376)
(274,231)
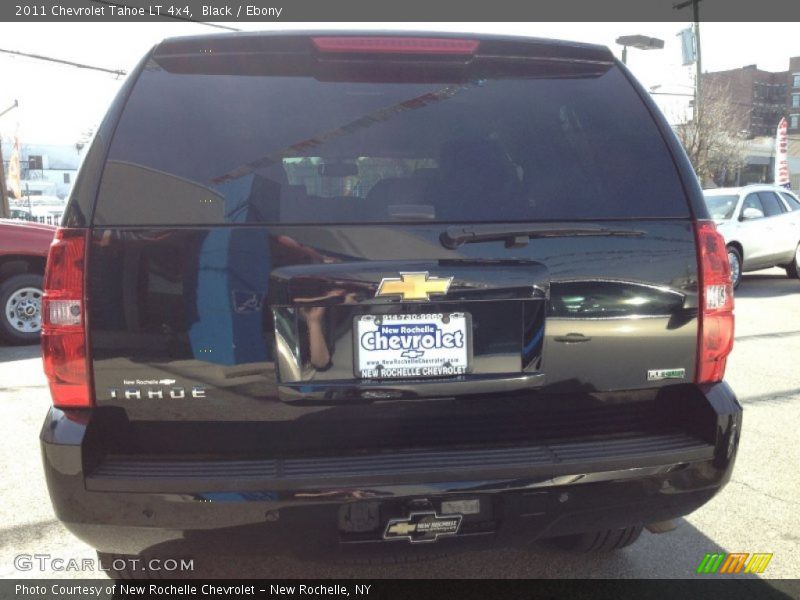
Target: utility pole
(5,209)
(699,73)
(698,85)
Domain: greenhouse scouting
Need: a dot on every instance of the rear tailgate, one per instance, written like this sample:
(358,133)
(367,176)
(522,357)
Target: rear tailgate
(299,250)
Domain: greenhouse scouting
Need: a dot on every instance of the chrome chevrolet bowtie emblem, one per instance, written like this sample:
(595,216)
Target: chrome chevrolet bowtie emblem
(413,286)
(401,528)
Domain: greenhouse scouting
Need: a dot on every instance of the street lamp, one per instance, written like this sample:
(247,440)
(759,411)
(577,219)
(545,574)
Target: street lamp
(642,42)
(12,107)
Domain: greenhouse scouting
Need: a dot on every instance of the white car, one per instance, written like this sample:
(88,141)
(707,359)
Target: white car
(761,227)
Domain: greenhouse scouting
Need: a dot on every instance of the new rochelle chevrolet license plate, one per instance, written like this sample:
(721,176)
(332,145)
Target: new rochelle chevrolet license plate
(418,345)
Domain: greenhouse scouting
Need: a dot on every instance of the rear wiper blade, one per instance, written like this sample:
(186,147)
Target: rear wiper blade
(517,236)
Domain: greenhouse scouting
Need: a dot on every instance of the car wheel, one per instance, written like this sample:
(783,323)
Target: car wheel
(793,269)
(735,259)
(21,303)
(605,540)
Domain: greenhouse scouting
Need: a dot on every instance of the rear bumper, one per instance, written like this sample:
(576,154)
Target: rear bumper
(333,504)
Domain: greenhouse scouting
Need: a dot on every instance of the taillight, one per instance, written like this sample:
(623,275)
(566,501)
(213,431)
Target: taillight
(715,336)
(394,45)
(63,320)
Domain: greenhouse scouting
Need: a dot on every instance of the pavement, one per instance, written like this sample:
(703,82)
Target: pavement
(759,510)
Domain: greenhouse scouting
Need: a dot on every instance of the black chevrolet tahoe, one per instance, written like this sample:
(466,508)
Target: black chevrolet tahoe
(325,292)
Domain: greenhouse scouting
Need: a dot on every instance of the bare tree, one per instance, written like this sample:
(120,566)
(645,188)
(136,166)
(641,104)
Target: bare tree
(712,137)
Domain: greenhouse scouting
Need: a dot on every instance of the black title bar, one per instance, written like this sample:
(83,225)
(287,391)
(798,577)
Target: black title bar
(396,11)
(705,587)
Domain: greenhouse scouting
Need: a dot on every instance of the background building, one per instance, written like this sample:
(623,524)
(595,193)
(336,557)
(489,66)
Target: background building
(46,169)
(760,99)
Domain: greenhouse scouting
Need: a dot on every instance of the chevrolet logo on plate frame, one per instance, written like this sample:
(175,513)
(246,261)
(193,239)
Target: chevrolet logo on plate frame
(421,527)
(413,286)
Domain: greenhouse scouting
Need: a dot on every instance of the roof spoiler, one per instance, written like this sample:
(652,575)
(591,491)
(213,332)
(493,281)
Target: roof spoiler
(327,42)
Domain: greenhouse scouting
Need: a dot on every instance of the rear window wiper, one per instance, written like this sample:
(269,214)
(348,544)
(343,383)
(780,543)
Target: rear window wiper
(517,236)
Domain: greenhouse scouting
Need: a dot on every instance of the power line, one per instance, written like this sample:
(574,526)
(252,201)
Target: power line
(10,108)
(168,16)
(671,94)
(117,72)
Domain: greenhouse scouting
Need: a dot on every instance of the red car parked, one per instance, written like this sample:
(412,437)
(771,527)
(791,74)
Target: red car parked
(23,250)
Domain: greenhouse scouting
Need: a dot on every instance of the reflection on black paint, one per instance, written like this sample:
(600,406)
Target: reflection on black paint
(247,310)
(599,299)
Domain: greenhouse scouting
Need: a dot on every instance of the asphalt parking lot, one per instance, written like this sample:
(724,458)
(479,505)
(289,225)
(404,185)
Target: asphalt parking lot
(759,511)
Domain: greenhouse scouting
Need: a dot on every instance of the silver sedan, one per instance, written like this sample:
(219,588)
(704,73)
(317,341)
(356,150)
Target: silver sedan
(761,227)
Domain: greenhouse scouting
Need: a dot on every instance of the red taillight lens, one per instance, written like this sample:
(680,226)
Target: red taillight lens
(394,45)
(63,326)
(715,336)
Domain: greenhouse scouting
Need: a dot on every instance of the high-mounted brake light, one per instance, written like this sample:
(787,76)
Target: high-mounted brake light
(63,321)
(715,336)
(394,45)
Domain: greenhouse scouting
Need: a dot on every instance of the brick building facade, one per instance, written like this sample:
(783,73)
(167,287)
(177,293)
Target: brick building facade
(761,97)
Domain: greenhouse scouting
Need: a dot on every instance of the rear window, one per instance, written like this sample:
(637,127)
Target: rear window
(559,142)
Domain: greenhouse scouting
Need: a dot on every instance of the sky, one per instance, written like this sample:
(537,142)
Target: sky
(58,103)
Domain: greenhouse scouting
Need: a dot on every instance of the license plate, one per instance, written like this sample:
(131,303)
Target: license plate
(412,346)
